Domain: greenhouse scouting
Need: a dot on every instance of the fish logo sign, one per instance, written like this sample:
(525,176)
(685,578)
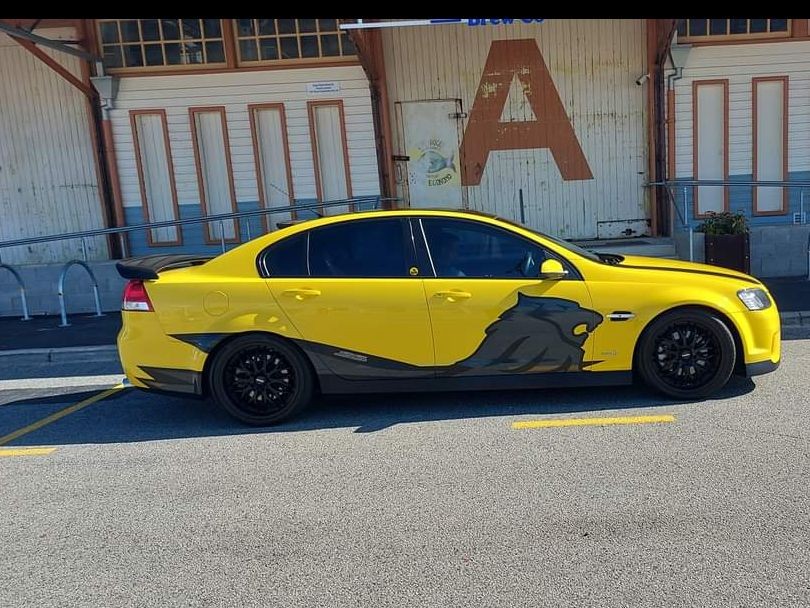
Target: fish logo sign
(439,168)
(485,133)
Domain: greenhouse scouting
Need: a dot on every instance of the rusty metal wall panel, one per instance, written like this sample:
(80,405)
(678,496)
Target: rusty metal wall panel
(593,65)
(48,182)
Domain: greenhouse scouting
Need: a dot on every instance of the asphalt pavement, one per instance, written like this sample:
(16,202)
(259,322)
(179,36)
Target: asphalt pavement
(409,500)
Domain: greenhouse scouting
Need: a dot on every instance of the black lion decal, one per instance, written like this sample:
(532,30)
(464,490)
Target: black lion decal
(535,335)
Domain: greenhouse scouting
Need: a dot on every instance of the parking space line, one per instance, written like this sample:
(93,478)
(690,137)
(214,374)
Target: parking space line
(37,383)
(60,414)
(4,452)
(558,422)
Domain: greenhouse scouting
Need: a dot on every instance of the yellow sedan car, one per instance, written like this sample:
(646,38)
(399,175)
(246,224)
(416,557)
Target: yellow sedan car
(418,300)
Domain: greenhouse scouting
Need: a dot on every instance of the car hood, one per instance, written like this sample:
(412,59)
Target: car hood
(645,263)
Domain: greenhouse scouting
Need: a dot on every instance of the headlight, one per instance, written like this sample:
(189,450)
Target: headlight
(754,298)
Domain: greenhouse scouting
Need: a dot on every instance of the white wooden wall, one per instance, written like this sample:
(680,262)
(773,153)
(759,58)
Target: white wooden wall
(48,182)
(236,91)
(740,63)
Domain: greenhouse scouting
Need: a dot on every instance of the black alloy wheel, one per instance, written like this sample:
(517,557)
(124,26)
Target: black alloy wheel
(260,379)
(687,354)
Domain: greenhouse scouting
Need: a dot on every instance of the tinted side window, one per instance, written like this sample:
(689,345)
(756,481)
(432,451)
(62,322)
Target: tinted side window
(470,249)
(367,248)
(287,258)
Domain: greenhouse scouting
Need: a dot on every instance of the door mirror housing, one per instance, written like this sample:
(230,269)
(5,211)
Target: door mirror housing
(552,270)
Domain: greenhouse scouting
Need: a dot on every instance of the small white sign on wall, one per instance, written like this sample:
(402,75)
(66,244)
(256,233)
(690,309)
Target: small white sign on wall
(323,87)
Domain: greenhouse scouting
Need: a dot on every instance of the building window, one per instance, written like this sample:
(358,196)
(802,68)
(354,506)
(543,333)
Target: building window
(266,40)
(139,43)
(706,30)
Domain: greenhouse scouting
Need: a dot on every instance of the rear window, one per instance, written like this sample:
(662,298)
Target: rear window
(287,258)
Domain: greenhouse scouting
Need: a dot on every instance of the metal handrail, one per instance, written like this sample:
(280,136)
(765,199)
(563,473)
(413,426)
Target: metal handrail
(61,290)
(21,283)
(203,219)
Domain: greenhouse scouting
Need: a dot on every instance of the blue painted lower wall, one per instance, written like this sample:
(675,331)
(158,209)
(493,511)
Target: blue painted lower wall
(194,234)
(741,201)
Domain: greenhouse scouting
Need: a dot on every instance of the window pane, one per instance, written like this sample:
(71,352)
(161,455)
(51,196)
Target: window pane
(129,31)
(212,28)
(193,51)
(268,48)
(327,25)
(286,26)
(329,46)
(309,46)
(109,32)
(681,27)
(697,27)
(348,45)
(717,27)
(247,50)
(191,28)
(171,29)
(215,53)
(469,249)
(154,54)
(738,26)
(267,27)
(132,55)
(371,248)
(289,48)
(173,55)
(244,27)
(112,56)
(306,25)
(287,258)
(759,25)
(779,25)
(150,30)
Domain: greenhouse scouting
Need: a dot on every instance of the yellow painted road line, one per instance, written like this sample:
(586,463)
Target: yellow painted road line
(60,414)
(557,422)
(25,451)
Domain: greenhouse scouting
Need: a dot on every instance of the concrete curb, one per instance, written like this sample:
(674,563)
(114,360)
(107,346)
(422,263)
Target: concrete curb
(795,319)
(71,354)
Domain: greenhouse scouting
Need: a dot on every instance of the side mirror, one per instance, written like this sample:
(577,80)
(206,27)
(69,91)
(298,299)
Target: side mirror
(552,270)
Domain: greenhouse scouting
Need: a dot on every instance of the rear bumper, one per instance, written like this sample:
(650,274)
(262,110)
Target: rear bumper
(760,368)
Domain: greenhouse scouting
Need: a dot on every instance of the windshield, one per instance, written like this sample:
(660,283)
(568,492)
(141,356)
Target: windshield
(585,253)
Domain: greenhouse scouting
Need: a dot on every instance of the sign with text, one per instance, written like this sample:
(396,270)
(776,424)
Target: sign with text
(323,87)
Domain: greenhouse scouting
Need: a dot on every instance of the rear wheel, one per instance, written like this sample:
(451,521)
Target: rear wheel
(261,380)
(687,354)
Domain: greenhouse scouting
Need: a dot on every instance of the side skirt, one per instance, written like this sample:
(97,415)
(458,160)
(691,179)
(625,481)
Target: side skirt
(333,384)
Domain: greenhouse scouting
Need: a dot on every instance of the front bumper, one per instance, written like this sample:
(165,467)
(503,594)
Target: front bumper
(758,369)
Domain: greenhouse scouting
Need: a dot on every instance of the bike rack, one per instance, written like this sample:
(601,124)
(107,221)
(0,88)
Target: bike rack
(20,282)
(61,291)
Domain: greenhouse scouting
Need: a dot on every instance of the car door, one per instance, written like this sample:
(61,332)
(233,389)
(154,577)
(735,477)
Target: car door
(359,303)
(490,311)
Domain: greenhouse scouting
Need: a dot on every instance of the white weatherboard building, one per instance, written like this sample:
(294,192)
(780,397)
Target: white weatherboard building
(561,124)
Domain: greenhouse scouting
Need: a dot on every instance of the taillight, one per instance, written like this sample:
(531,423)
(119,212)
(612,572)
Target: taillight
(136,298)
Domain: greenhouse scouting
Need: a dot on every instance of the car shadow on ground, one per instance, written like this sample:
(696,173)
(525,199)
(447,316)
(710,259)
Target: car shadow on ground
(136,416)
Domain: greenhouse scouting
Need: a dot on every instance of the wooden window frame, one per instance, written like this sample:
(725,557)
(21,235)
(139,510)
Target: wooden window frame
(192,112)
(695,189)
(296,62)
(311,105)
(159,69)
(785,119)
(735,38)
(252,109)
(133,114)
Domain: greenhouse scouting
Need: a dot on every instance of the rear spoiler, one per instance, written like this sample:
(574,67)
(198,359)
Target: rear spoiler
(148,267)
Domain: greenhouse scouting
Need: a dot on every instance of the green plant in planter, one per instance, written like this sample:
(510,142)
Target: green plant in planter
(724,223)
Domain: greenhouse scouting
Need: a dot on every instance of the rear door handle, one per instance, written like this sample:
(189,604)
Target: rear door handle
(300,294)
(453,295)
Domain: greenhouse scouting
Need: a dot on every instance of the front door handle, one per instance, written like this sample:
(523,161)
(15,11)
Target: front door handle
(301,294)
(453,295)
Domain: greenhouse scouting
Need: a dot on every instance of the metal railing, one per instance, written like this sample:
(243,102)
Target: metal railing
(355,204)
(682,208)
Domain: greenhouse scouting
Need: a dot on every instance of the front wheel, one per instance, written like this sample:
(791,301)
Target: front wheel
(261,380)
(687,354)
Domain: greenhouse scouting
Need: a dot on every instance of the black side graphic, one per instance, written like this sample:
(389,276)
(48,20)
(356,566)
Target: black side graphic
(205,342)
(172,380)
(534,336)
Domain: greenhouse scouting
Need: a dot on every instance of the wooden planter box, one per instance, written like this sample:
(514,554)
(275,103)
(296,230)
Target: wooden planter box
(729,251)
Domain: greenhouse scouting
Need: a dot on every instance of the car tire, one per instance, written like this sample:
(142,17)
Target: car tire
(261,380)
(686,354)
